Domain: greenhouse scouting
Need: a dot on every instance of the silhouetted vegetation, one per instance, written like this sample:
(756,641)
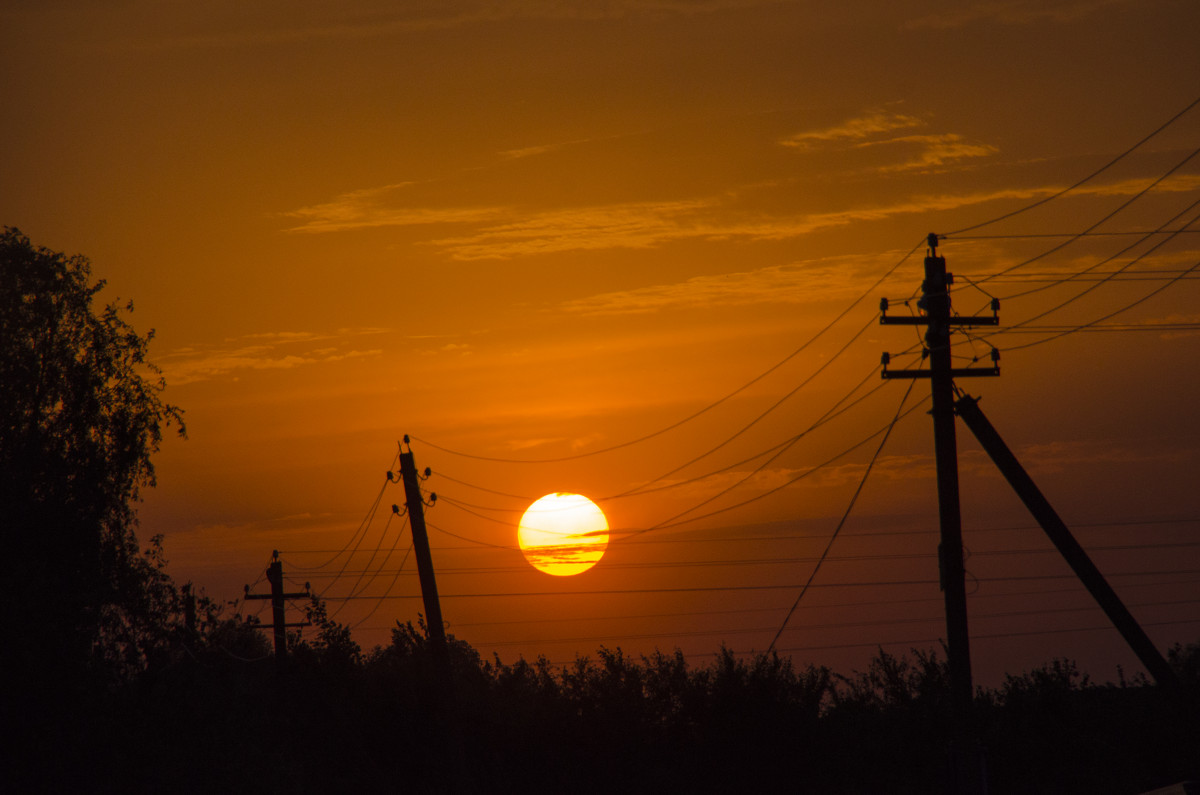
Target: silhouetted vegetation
(118,680)
(216,713)
(80,419)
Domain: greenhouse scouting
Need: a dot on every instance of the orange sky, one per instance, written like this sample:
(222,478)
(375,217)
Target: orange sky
(529,230)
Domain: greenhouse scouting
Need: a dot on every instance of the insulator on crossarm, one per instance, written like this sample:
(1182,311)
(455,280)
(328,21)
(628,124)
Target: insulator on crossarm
(885,359)
(995,355)
(995,304)
(883,305)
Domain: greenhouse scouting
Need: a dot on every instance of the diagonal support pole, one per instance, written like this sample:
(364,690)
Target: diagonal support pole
(967,407)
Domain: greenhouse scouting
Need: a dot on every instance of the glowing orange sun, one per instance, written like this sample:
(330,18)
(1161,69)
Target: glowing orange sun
(563,534)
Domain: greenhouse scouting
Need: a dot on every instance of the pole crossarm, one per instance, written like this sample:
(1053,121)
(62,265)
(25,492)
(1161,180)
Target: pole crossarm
(955,372)
(924,320)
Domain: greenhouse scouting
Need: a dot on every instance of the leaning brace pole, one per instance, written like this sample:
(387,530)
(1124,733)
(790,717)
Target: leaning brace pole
(968,408)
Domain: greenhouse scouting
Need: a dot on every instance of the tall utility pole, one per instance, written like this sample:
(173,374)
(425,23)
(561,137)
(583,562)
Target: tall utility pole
(277,597)
(938,320)
(416,519)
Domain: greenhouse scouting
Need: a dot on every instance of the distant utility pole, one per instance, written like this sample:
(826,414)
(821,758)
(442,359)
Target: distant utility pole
(277,597)
(938,320)
(416,520)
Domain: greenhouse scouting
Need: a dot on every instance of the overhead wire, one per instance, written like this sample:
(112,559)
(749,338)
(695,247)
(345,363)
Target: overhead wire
(792,560)
(842,522)
(804,346)
(832,413)
(1102,318)
(391,585)
(1153,134)
(362,528)
(673,523)
(367,568)
(677,519)
(1112,275)
(745,630)
(1120,208)
(764,414)
(1016,578)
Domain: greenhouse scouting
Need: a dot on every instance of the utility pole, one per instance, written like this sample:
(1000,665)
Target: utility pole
(416,520)
(277,597)
(939,320)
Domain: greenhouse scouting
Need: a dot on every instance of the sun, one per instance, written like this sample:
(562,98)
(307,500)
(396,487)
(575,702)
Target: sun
(563,534)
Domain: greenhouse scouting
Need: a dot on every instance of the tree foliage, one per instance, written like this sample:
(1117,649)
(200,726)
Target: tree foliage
(80,418)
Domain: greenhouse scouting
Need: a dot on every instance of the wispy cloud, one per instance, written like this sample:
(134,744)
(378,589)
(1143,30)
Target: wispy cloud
(857,129)
(377,207)
(632,225)
(533,151)
(797,283)
(936,151)
(271,351)
(504,233)
(875,129)
(1013,12)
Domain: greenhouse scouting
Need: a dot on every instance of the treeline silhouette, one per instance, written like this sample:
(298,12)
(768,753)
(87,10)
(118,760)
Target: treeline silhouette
(209,709)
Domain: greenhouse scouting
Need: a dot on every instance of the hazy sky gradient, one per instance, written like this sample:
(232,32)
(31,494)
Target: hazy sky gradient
(536,229)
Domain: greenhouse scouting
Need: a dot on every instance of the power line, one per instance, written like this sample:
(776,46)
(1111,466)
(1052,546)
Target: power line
(783,561)
(1101,319)
(362,526)
(1124,205)
(673,523)
(702,411)
(1086,179)
(743,630)
(1033,236)
(767,587)
(846,515)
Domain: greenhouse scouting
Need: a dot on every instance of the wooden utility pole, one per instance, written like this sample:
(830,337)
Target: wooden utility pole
(416,520)
(939,320)
(277,597)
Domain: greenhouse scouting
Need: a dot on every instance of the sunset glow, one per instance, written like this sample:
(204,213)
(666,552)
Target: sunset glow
(563,534)
(637,250)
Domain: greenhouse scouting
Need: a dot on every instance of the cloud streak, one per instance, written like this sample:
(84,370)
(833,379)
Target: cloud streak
(793,284)
(856,129)
(375,207)
(647,225)
(873,130)
(270,351)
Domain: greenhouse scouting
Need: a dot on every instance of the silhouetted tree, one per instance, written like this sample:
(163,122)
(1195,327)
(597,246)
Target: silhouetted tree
(80,417)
